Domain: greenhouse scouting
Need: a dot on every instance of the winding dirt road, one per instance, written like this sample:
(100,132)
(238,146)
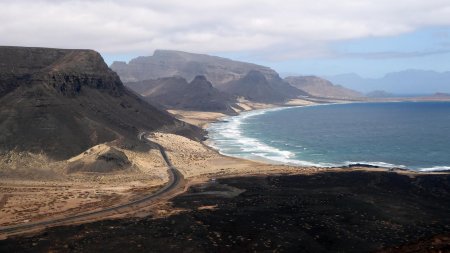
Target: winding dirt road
(176,181)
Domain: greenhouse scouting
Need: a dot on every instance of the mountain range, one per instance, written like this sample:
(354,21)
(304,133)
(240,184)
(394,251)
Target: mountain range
(177,93)
(408,82)
(237,79)
(168,63)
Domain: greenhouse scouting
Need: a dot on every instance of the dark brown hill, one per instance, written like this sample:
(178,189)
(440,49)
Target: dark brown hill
(61,102)
(177,93)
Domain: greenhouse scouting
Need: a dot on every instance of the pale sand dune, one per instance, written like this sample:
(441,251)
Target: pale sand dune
(300,102)
(248,106)
(200,119)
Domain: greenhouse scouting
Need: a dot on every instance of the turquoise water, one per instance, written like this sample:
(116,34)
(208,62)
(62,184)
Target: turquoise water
(413,135)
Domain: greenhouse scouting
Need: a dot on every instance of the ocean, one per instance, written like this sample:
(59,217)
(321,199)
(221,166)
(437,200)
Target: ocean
(410,135)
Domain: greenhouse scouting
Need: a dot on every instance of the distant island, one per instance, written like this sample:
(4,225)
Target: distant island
(407,82)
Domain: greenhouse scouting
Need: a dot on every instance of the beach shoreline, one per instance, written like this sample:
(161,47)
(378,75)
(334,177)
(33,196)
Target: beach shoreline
(277,155)
(204,119)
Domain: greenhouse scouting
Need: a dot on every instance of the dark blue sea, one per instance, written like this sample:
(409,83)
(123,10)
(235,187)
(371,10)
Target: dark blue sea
(411,135)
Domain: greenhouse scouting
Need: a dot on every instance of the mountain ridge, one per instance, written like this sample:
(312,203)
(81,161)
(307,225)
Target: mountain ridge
(223,73)
(177,93)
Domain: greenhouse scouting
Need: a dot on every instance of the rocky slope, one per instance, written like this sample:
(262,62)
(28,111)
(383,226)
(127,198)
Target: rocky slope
(256,87)
(320,87)
(177,93)
(61,102)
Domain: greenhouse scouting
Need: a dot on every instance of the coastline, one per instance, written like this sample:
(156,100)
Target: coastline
(225,120)
(200,162)
(204,119)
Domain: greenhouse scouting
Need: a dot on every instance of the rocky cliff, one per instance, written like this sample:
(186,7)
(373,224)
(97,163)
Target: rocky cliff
(61,102)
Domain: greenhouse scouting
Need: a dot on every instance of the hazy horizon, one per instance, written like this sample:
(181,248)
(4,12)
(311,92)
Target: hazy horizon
(407,83)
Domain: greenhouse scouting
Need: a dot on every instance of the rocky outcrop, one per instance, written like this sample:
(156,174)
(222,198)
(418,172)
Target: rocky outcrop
(61,102)
(67,71)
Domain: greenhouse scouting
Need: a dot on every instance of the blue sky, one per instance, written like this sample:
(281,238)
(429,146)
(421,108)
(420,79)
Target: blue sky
(322,37)
(425,49)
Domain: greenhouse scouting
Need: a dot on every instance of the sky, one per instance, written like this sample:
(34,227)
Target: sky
(321,37)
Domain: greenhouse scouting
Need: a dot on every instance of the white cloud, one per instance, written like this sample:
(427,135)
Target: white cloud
(289,29)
